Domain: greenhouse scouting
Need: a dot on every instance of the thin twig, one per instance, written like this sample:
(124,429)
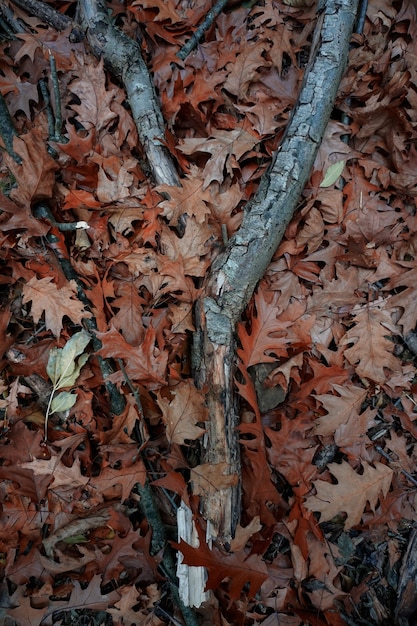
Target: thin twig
(7,130)
(403,471)
(117,402)
(14,25)
(48,108)
(202,29)
(57,101)
(51,16)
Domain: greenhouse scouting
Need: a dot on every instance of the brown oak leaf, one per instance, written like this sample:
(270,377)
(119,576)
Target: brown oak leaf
(371,352)
(55,303)
(182,413)
(351,493)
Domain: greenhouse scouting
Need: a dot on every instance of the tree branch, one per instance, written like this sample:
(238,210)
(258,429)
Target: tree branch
(236,272)
(122,56)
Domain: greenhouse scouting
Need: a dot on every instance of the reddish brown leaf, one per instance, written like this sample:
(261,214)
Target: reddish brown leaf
(238,568)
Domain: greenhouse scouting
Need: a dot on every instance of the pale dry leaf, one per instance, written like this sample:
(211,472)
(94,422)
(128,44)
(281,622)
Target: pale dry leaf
(371,352)
(351,493)
(55,303)
(245,68)
(243,533)
(226,148)
(94,110)
(190,199)
(312,233)
(182,412)
(35,176)
(339,408)
(63,477)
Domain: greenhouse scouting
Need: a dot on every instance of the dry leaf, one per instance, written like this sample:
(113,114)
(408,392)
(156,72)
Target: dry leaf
(55,303)
(351,493)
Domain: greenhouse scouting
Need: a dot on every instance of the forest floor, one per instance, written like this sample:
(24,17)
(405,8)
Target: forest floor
(328,528)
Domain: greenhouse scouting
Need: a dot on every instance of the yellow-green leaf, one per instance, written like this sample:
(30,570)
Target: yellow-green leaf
(62,402)
(333,174)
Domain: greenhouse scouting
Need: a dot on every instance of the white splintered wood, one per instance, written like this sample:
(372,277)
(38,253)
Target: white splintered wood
(192,580)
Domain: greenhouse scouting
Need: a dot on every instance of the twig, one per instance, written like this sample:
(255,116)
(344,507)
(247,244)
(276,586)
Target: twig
(202,29)
(13,25)
(48,108)
(48,14)
(403,471)
(7,130)
(122,56)
(117,402)
(57,135)
(132,388)
(54,116)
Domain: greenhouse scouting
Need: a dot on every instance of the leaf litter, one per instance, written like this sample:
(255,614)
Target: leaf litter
(322,471)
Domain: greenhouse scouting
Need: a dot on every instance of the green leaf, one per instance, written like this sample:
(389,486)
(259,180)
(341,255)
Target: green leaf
(71,377)
(62,368)
(62,402)
(75,539)
(333,174)
(53,366)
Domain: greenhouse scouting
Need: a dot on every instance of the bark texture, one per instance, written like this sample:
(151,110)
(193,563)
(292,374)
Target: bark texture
(122,56)
(235,272)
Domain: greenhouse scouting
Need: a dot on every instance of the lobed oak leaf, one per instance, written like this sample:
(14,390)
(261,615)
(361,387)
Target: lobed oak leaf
(406,299)
(128,319)
(239,568)
(125,478)
(114,178)
(182,413)
(187,252)
(267,334)
(90,597)
(351,493)
(226,148)
(137,608)
(63,477)
(144,363)
(94,110)
(371,352)
(245,68)
(339,408)
(25,94)
(312,232)
(190,199)
(23,611)
(55,303)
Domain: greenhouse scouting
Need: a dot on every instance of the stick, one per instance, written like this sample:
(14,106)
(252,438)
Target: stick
(202,29)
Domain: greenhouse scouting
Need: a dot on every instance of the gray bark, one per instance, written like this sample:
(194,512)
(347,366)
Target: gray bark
(122,56)
(236,272)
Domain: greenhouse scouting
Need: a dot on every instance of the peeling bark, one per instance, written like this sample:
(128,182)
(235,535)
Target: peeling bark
(236,272)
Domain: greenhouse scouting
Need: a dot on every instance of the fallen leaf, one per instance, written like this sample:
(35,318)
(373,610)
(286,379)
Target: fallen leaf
(351,493)
(55,303)
(182,412)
